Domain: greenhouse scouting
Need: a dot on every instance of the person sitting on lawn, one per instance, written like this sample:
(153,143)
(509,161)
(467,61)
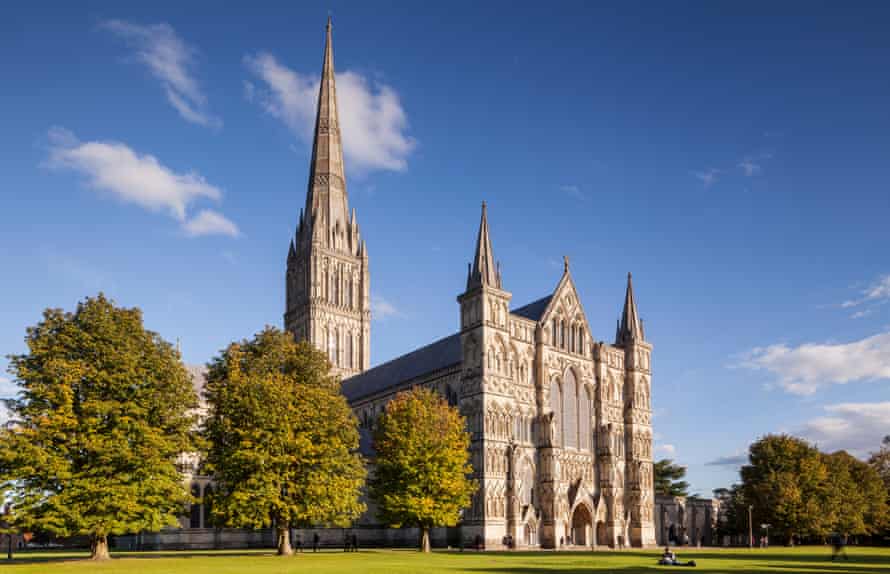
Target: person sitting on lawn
(668,558)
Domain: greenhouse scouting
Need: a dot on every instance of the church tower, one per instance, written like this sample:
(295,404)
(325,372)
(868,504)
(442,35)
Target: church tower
(485,336)
(639,478)
(327,284)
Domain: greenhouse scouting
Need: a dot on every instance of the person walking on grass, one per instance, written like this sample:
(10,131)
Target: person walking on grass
(838,549)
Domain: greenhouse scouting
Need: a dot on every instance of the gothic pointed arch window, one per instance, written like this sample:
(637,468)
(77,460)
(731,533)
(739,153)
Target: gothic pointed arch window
(570,410)
(554,334)
(349,351)
(584,432)
(332,345)
(562,334)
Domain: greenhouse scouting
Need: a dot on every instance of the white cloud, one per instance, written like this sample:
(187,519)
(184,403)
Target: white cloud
(116,169)
(667,449)
(382,309)
(209,222)
(803,369)
(855,427)
(171,61)
(372,119)
(707,177)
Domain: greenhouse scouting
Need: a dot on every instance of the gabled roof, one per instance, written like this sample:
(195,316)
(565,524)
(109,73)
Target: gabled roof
(533,310)
(433,357)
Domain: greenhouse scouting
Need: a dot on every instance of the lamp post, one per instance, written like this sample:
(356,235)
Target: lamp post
(750,527)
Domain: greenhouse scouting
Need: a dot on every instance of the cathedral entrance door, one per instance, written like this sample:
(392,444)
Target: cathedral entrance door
(582,523)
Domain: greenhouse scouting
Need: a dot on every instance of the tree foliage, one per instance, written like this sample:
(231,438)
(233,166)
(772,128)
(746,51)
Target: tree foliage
(668,478)
(802,492)
(786,482)
(283,441)
(103,410)
(880,461)
(422,468)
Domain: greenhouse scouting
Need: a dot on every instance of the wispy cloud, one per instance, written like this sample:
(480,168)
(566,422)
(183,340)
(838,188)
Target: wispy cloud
(804,369)
(855,427)
(730,460)
(877,292)
(172,61)
(752,165)
(372,119)
(381,309)
(708,177)
(116,169)
(573,191)
(209,222)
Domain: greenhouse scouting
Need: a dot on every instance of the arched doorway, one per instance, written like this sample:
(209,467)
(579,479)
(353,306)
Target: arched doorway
(582,523)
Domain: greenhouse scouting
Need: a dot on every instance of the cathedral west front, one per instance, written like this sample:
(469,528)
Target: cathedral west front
(561,423)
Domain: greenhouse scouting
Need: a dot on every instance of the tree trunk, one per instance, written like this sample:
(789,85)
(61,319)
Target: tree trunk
(284,547)
(424,539)
(99,547)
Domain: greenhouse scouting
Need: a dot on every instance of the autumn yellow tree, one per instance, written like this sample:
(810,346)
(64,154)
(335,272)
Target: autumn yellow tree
(422,465)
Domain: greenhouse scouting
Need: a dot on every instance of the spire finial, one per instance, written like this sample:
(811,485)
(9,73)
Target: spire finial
(484,271)
(631,327)
(565,263)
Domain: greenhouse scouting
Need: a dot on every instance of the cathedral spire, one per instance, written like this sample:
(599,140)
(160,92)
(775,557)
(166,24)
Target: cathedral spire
(326,201)
(630,329)
(484,270)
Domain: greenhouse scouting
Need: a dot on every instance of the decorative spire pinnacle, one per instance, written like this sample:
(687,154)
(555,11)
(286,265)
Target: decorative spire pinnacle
(484,270)
(327,178)
(630,329)
(565,263)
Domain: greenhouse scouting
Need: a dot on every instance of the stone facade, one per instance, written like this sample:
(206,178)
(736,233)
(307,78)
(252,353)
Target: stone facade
(561,424)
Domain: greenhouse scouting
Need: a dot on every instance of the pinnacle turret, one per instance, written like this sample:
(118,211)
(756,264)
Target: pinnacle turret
(484,271)
(630,329)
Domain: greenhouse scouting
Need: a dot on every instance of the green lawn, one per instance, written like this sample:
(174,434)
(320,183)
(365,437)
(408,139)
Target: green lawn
(789,561)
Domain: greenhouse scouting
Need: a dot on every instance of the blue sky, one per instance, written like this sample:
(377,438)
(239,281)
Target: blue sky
(732,156)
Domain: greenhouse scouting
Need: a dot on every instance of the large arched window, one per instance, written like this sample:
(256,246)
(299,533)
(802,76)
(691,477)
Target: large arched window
(332,345)
(347,339)
(570,410)
(562,334)
(556,407)
(584,433)
(554,340)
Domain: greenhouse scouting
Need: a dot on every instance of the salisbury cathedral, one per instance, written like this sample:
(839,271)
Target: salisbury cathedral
(561,423)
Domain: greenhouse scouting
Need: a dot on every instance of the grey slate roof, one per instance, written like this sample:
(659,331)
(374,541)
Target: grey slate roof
(434,357)
(533,310)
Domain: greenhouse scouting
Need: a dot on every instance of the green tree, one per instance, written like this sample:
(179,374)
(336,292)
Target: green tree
(282,439)
(103,410)
(857,499)
(669,478)
(786,482)
(880,461)
(422,470)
